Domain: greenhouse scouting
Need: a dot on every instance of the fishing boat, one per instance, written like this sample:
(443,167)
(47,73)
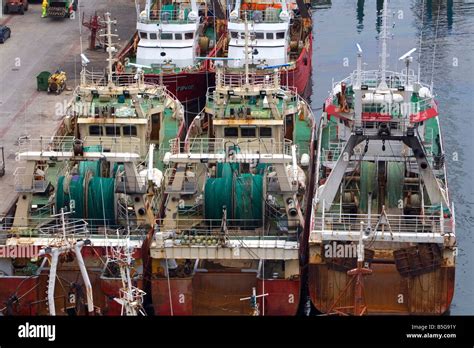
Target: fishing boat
(171,41)
(228,241)
(83,191)
(382,237)
(281,37)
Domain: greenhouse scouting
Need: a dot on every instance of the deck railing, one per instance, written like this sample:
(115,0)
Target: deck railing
(64,144)
(52,227)
(180,16)
(269,15)
(220,146)
(339,222)
(261,80)
(116,144)
(25,182)
(213,228)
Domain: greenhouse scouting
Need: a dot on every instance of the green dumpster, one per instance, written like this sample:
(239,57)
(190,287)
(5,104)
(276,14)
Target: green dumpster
(42,81)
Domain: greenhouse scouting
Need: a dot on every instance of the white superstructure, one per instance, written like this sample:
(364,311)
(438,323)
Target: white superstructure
(168,36)
(269,35)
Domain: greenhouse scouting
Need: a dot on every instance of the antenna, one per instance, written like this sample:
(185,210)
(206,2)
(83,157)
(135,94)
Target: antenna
(408,54)
(408,59)
(359,65)
(84,59)
(253,301)
(139,66)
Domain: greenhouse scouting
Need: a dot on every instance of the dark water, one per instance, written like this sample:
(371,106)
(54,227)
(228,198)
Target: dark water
(339,28)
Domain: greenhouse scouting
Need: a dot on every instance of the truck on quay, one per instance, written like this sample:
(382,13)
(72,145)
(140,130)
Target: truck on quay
(16,6)
(58,8)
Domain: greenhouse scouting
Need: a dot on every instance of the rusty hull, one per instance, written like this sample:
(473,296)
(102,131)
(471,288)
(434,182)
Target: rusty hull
(385,290)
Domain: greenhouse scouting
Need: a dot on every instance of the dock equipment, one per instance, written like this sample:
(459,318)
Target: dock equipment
(42,81)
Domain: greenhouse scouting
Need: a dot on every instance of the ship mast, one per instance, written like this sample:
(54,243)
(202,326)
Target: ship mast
(110,47)
(130,297)
(384,54)
(65,240)
(246,51)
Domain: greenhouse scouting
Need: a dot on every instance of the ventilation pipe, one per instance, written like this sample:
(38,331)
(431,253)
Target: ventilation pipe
(194,14)
(234,15)
(284,15)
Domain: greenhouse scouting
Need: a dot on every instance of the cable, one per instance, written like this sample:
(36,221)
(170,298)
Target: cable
(435,46)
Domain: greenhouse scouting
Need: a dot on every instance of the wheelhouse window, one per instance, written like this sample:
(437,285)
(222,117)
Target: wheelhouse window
(112,131)
(247,132)
(188,36)
(259,36)
(143,35)
(95,130)
(265,132)
(280,35)
(231,132)
(178,36)
(166,36)
(153,36)
(129,131)
(269,36)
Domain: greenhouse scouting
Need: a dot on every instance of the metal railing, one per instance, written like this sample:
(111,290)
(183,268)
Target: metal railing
(73,228)
(44,144)
(116,144)
(180,16)
(235,228)
(337,222)
(189,182)
(64,144)
(268,15)
(99,80)
(27,182)
(261,80)
(372,79)
(286,105)
(223,146)
(52,227)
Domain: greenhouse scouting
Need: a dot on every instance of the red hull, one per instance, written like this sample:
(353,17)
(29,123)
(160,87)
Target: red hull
(186,86)
(25,288)
(180,298)
(220,294)
(283,296)
(300,76)
(110,288)
(385,290)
